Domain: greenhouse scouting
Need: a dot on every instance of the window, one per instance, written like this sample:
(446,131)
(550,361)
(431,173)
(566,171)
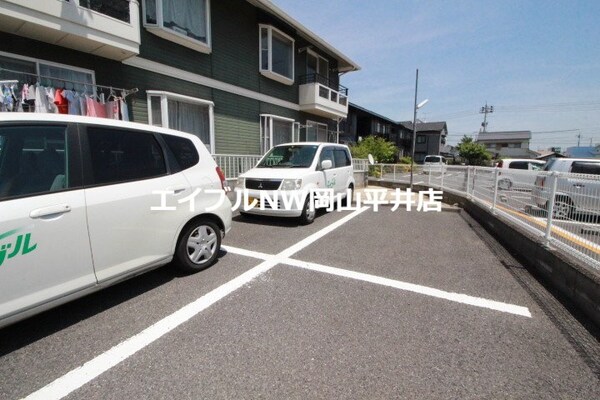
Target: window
(315,64)
(121,156)
(31,70)
(33,160)
(275,130)
(519,165)
(582,167)
(183,113)
(183,150)
(315,132)
(421,139)
(342,158)
(185,22)
(276,55)
(327,154)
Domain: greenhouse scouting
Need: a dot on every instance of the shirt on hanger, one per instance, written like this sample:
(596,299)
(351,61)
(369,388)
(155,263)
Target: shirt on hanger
(61,102)
(73,98)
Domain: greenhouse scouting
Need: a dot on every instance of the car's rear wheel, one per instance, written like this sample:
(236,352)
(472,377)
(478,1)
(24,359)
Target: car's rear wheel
(308,213)
(349,197)
(563,208)
(198,246)
(504,184)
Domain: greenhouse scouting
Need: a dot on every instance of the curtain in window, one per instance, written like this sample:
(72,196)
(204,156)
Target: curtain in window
(17,65)
(187,17)
(150,11)
(190,118)
(282,55)
(282,132)
(69,77)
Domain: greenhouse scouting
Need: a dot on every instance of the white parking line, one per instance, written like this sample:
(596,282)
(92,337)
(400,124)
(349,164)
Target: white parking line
(410,287)
(78,377)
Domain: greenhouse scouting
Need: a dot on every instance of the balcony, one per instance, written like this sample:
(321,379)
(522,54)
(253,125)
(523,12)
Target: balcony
(109,29)
(320,97)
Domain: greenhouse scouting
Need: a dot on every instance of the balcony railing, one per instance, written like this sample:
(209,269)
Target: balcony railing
(118,9)
(323,80)
(321,96)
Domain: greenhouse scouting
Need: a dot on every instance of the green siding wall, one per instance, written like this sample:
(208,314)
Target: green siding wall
(237,125)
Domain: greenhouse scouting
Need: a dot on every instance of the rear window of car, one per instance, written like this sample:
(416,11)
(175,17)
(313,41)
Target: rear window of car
(433,159)
(583,167)
(519,165)
(183,149)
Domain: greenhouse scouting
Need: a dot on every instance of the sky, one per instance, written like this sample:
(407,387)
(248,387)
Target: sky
(536,61)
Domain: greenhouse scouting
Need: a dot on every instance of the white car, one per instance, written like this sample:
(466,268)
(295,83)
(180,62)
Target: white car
(517,173)
(288,173)
(434,164)
(87,202)
(577,188)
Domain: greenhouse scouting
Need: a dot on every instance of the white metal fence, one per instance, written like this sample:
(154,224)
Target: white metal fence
(562,209)
(234,164)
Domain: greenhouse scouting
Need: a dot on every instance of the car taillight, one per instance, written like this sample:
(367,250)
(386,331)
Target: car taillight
(224,183)
(540,180)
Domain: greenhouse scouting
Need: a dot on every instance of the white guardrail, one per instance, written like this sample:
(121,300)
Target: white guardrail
(562,209)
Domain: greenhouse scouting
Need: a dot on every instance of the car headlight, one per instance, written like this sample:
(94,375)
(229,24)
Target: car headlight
(291,184)
(241,182)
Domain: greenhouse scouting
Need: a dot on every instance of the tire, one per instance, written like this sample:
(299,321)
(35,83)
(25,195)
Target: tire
(563,208)
(504,184)
(348,200)
(307,217)
(198,246)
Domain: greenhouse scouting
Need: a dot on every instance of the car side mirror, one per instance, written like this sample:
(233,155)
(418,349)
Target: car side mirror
(326,164)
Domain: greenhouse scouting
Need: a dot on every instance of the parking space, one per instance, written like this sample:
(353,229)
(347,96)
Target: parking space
(358,305)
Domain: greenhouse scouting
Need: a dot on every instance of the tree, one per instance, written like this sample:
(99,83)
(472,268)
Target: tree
(473,153)
(381,150)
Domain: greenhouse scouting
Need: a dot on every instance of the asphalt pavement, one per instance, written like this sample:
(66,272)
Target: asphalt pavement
(359,304)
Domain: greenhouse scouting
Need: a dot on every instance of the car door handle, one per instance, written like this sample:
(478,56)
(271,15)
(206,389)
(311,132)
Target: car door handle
(176,189)
(51,210)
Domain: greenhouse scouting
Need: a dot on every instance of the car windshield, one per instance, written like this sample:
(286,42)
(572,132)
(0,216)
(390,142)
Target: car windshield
(290,156)
(548,166)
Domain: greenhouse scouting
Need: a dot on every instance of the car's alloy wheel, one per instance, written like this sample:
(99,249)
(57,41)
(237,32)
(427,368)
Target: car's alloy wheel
(198,246)
(308,214)
(504,184)
(563,208)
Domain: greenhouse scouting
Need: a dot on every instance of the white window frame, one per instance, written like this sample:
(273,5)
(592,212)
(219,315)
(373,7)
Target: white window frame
(169,34)
(266,138)
(164,111)
(318,57)
(38,61)
(268,72)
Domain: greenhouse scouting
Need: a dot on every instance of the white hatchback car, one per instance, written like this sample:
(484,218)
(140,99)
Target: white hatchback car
(88,202)
(434,164)
(517,173)
(288,173)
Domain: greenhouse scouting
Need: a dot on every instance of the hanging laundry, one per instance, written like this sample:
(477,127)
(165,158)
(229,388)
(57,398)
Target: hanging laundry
(95,109)
(61,102)
(124,110)
(73,98)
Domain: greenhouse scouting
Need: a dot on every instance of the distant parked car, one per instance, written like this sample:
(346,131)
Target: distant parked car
(433,164)
(513,175)
(578,187)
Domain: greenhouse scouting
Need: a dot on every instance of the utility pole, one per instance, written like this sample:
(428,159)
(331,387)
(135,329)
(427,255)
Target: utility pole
(578,139)
(485,111)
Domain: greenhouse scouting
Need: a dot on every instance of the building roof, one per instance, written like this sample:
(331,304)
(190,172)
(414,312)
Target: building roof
(507,135)
(345,64)
(372,113)
(425,126)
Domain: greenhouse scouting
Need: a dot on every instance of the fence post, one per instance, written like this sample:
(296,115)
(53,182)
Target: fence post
(549,217)
(468,182)
(496,174)
(381,171)
(394,172)
(442,178)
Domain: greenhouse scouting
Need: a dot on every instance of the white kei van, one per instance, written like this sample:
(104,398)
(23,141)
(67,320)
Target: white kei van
(87,202)
(288,173)
(434,164)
